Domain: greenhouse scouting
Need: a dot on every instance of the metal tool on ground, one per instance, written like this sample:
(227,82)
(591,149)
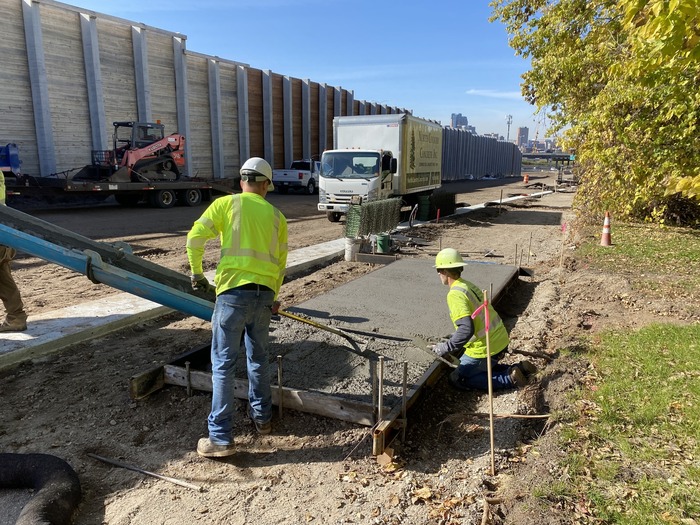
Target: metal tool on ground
(146,472)
(423,345)
(354,343)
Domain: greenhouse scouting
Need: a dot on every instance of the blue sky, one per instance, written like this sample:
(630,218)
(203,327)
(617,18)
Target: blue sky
(433,57)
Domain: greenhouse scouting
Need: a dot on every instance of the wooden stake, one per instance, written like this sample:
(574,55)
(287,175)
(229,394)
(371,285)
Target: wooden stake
(490,383)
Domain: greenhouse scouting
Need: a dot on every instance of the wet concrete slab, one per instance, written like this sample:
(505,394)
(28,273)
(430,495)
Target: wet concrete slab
(404,298)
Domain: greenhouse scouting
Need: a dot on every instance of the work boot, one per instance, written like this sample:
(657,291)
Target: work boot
(262,428)
(527,368)
(13,327)
(208,449)
(517,377)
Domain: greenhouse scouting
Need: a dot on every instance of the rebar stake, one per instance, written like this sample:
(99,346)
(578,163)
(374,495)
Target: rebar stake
(189,379)
(404,402)
(380,405)
(280,392)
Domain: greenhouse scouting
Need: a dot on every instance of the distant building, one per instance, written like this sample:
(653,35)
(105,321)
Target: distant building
(458,120)
(522,139)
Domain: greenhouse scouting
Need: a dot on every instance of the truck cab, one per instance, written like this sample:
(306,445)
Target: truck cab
(353,176)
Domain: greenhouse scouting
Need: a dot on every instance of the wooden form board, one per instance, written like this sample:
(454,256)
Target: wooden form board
(189,371)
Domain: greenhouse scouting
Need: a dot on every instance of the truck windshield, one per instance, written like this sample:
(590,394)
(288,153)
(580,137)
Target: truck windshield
(349,165)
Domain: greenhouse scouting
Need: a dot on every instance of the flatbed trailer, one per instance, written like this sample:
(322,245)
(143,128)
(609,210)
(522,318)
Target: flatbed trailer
(159,194)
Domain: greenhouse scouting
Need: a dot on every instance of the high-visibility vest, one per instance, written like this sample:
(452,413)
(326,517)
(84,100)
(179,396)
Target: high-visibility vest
(253,236)
(463,299)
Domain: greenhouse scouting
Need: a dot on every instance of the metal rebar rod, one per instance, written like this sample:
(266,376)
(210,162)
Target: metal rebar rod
(280,391)
(380,403)
(189,379)
(136,469)
(404,401)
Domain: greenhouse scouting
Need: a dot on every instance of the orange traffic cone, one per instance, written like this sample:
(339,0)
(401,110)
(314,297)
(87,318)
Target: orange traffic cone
(526,178)
(605,238)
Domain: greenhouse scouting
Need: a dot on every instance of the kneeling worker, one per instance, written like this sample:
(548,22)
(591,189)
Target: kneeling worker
(463,299)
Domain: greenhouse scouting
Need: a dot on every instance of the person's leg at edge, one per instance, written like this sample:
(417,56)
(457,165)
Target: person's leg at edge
(9,293)
(227,324)
(257,355)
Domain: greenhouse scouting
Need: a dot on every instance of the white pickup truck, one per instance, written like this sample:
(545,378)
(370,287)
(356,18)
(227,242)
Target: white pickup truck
(301,175)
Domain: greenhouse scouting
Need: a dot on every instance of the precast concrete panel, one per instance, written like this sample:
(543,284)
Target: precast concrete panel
(324,129)
(65,78)
(199,137)
(276,82)
(255,112)
(228,78)
(350,105)
(330,113)
(297,120)
(243,113)
(306,119)
(161,74)
(118,74)
(16,103)
(315,120)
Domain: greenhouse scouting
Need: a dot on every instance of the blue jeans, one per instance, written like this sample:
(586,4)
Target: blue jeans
(239,312)
(472,373)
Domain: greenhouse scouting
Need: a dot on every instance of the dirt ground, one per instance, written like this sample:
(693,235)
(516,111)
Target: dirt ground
(313,469)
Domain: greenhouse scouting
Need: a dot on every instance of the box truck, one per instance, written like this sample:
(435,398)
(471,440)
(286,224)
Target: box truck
(379,157)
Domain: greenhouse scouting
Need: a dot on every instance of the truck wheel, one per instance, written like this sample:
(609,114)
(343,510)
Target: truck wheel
(191,197)
(311,187)
(162,199)
(283,190)
(333,216)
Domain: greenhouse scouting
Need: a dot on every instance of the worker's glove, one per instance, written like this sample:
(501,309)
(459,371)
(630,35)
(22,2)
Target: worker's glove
(441,349)
(275,307)
(200,283)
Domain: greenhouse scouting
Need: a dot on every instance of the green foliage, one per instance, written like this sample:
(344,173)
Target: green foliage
(619,79)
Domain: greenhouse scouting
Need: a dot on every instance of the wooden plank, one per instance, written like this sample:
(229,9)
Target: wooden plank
(276,81)
(117,70)
(200,117)
(318,403)
(255,113)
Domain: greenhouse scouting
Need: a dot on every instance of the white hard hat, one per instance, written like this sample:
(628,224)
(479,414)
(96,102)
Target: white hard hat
(256,169)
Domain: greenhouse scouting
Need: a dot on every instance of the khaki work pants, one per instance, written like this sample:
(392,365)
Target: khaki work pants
(9,293)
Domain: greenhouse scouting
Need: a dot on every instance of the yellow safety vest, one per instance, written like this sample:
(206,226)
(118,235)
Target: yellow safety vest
(253,235)
(463,299)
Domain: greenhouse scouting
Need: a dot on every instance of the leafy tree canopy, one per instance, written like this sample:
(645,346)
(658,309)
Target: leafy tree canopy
(620,80)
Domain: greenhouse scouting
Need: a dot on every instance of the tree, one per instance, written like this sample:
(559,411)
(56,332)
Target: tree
(620,80)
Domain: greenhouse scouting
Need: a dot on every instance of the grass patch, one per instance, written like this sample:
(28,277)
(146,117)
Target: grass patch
(633,441)
(666,260)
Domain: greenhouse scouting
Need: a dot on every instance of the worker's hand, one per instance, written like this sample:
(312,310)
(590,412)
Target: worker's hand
(200,283)
(441,349)
(275,307)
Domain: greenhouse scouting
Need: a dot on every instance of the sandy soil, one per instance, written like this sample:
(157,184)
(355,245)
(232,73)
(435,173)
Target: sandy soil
(311,469)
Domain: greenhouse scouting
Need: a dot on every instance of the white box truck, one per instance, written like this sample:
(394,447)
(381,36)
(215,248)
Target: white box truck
(379,157)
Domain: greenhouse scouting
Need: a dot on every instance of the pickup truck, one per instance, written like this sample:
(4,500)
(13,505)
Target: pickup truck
(301,175)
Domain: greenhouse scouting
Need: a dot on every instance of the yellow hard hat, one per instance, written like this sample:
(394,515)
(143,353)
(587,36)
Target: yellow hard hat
(449,258)
(257,169)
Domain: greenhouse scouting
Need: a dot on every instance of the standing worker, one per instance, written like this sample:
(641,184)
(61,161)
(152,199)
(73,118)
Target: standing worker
(468,342)
(253,236)
(15,316)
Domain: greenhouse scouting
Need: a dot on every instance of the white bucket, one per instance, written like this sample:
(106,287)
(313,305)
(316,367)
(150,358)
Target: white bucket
(352,247)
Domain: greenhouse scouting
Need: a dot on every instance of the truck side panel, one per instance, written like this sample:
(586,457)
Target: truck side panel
(420,158)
